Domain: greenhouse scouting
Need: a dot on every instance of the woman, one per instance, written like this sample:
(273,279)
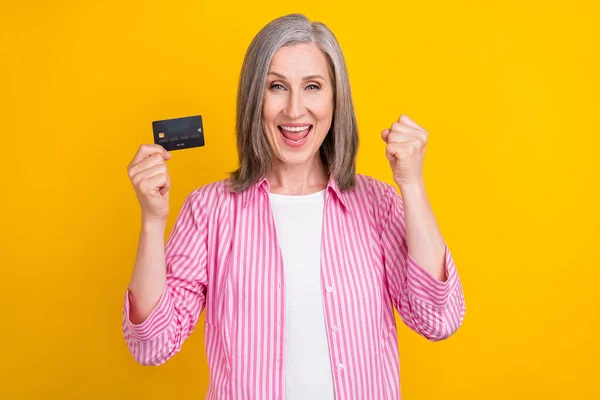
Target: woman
(298,261)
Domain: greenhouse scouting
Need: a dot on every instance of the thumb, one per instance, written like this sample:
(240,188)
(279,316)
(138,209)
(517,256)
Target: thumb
(384,134)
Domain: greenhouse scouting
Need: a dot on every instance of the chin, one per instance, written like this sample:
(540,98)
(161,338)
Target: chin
(296,158)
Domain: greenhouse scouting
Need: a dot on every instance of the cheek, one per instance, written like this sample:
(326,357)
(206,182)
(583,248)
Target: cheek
(323,108)
(270,108)
(268,116)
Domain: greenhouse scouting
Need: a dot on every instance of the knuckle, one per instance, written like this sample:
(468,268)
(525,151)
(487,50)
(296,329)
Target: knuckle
(136,180)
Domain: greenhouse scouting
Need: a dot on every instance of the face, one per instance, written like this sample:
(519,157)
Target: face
(298,104)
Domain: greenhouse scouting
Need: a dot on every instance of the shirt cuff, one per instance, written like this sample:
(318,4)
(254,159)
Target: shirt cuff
(426,287)
(157,321)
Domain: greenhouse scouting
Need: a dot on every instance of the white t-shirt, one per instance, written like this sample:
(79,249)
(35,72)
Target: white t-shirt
(298,221)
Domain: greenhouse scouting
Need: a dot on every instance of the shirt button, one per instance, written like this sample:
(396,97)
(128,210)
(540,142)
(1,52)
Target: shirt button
(329,289)
(340,366)
(335,328)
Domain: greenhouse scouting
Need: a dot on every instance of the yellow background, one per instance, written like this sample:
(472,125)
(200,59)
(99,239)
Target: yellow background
(509,93)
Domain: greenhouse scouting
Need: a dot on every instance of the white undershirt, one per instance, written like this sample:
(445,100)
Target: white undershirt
(298,221)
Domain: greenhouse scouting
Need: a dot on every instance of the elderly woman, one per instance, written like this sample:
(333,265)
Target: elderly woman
(298,261)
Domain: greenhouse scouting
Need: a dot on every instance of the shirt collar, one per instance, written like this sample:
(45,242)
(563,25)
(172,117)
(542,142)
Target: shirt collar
(263,184)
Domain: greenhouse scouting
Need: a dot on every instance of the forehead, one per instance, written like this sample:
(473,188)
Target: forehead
(299,60)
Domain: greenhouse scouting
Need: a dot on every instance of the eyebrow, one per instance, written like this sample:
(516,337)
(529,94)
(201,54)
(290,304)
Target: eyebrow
(306,78)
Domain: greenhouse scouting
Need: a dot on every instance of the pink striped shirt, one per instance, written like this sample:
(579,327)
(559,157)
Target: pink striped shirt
(223,256)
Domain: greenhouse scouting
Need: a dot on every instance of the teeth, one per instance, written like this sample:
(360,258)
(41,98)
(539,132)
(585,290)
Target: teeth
(297,129)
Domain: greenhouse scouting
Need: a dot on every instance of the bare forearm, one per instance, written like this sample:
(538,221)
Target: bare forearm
(149,273)
(424,239)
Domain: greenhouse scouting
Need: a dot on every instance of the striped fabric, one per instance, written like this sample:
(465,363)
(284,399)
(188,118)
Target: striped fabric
(223,256)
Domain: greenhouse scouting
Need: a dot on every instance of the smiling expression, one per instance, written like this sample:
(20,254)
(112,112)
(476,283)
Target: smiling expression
(298,103)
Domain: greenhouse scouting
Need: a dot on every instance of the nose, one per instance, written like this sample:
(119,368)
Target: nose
(295,106)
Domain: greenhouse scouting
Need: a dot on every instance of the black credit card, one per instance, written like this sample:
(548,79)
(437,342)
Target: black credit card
(179,133)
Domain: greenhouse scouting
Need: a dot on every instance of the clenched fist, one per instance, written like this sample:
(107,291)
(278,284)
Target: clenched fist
(405,150)
(150,179)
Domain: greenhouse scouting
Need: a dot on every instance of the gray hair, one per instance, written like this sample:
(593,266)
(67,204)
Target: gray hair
(339,148)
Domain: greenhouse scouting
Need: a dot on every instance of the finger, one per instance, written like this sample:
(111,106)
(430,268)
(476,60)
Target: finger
(147,150)
(164,189)
(153,186)
(405,118)
(393,150)
(398,149)
(404,133)
(402,127)
(400,138)
(149,173)
(147,163)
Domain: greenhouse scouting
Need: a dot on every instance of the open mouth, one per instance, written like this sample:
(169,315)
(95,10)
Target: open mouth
(295,136)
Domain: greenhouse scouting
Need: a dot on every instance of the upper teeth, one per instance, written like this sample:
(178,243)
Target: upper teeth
(296,129)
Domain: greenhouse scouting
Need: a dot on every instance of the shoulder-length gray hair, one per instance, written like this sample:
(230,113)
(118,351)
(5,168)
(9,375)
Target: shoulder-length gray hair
(339,148)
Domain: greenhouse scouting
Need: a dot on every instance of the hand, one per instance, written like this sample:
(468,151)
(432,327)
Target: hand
(148,174)
(405,150)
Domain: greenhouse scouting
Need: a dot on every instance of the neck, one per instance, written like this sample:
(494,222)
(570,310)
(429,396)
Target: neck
(298,179)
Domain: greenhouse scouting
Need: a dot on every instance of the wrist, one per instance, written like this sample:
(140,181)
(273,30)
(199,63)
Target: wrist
(153,224)
(417,186)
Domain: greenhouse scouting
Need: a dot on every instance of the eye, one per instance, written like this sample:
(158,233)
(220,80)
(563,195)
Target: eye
(315,86)
(275,84)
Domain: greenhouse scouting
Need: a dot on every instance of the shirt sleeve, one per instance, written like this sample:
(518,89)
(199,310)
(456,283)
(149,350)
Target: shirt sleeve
(161,335)
(432,308)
